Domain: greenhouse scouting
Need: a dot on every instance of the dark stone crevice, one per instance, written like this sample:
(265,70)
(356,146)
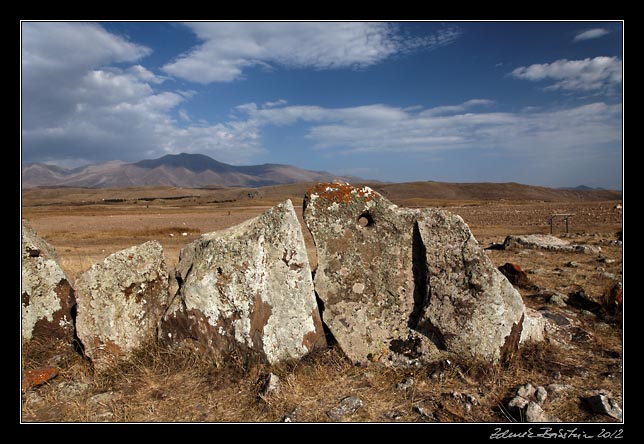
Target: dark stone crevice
(422,293)
(330,339)
(77,344)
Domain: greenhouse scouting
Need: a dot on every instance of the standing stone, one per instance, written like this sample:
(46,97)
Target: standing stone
(472,306)
(121,301)
(248,288)
(393,280)
(47,296)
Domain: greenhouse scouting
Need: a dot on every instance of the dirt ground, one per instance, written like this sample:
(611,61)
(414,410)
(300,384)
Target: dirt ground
(157,385)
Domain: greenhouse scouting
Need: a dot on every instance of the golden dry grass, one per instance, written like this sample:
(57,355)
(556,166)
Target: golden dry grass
(166,385)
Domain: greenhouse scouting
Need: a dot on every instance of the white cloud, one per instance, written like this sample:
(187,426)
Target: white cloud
(452,109)
(385,129)
(230,47)
(57,57)
(77,106)
(599,73)
(183,115)
(589,34)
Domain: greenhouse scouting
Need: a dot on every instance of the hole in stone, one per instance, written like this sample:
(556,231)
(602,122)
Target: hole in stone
(219,270)
(365,220)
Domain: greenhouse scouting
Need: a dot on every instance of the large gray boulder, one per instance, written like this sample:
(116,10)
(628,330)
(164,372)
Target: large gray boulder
(120,302)
(247,289)
(406,282)
(546,242)
(469,304)
(47,296)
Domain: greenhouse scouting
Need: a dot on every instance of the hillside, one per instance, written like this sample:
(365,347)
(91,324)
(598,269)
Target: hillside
(172,170)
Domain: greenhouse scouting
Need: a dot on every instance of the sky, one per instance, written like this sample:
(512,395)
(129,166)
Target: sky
(539,103)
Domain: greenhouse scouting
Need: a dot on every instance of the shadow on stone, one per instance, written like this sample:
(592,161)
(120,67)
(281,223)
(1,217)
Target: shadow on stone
(422,293)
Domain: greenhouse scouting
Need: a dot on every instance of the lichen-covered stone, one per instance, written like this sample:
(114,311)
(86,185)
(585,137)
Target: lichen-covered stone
(247,288)
(470,305)
(534,326)
(546,242)
(121,301)
(47,296)
(390,276)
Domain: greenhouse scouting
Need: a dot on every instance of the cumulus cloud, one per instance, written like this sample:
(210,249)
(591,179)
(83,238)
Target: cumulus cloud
(76,105)
(230,47)
(599,73)
(589,34)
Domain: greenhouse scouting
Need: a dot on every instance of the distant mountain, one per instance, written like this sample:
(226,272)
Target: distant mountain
(176,170)
(581,188)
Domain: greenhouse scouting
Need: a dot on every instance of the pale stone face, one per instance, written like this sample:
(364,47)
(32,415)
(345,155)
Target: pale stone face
(47,296)
(406,282)
(120,302)
(248,287)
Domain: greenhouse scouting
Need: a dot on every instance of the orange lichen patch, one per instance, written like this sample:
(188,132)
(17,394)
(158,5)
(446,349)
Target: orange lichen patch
(34,378)
(340,193)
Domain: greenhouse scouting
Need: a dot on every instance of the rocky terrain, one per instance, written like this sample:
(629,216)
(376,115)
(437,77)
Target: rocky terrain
(550,351)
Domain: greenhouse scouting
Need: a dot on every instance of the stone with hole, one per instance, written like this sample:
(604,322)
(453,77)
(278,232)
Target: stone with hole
(247,289)
(406,283)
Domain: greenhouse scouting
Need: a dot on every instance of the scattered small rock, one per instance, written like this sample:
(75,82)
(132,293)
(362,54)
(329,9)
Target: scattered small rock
(526,390)
(602,326)
(33,400)
(271,385)
(588,314)
(572,264)
(347,406)
(35,378)
(405,384)
(518,402)
(558,300)
(555,390)
(515,275)
(540,395)
(604,405)
(72,389)
(103,415)
(394,414)
(580,335)
(101,398)
(581,300)
(293,416)
(610,276)
(536,271)
(534,413)
(424,413)
(472,400)
(605,260)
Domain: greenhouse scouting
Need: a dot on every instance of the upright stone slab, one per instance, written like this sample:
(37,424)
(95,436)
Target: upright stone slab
(394,279)
(47,296)
(365,273)
(470,306)
(121,301)
(248,289)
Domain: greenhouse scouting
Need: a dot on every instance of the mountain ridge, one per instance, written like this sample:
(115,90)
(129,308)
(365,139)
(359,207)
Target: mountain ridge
(177,170)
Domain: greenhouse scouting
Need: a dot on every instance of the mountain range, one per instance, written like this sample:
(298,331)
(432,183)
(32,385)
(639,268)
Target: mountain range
(175,170)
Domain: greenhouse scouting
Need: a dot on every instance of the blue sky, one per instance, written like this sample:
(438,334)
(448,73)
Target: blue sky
(531,102)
